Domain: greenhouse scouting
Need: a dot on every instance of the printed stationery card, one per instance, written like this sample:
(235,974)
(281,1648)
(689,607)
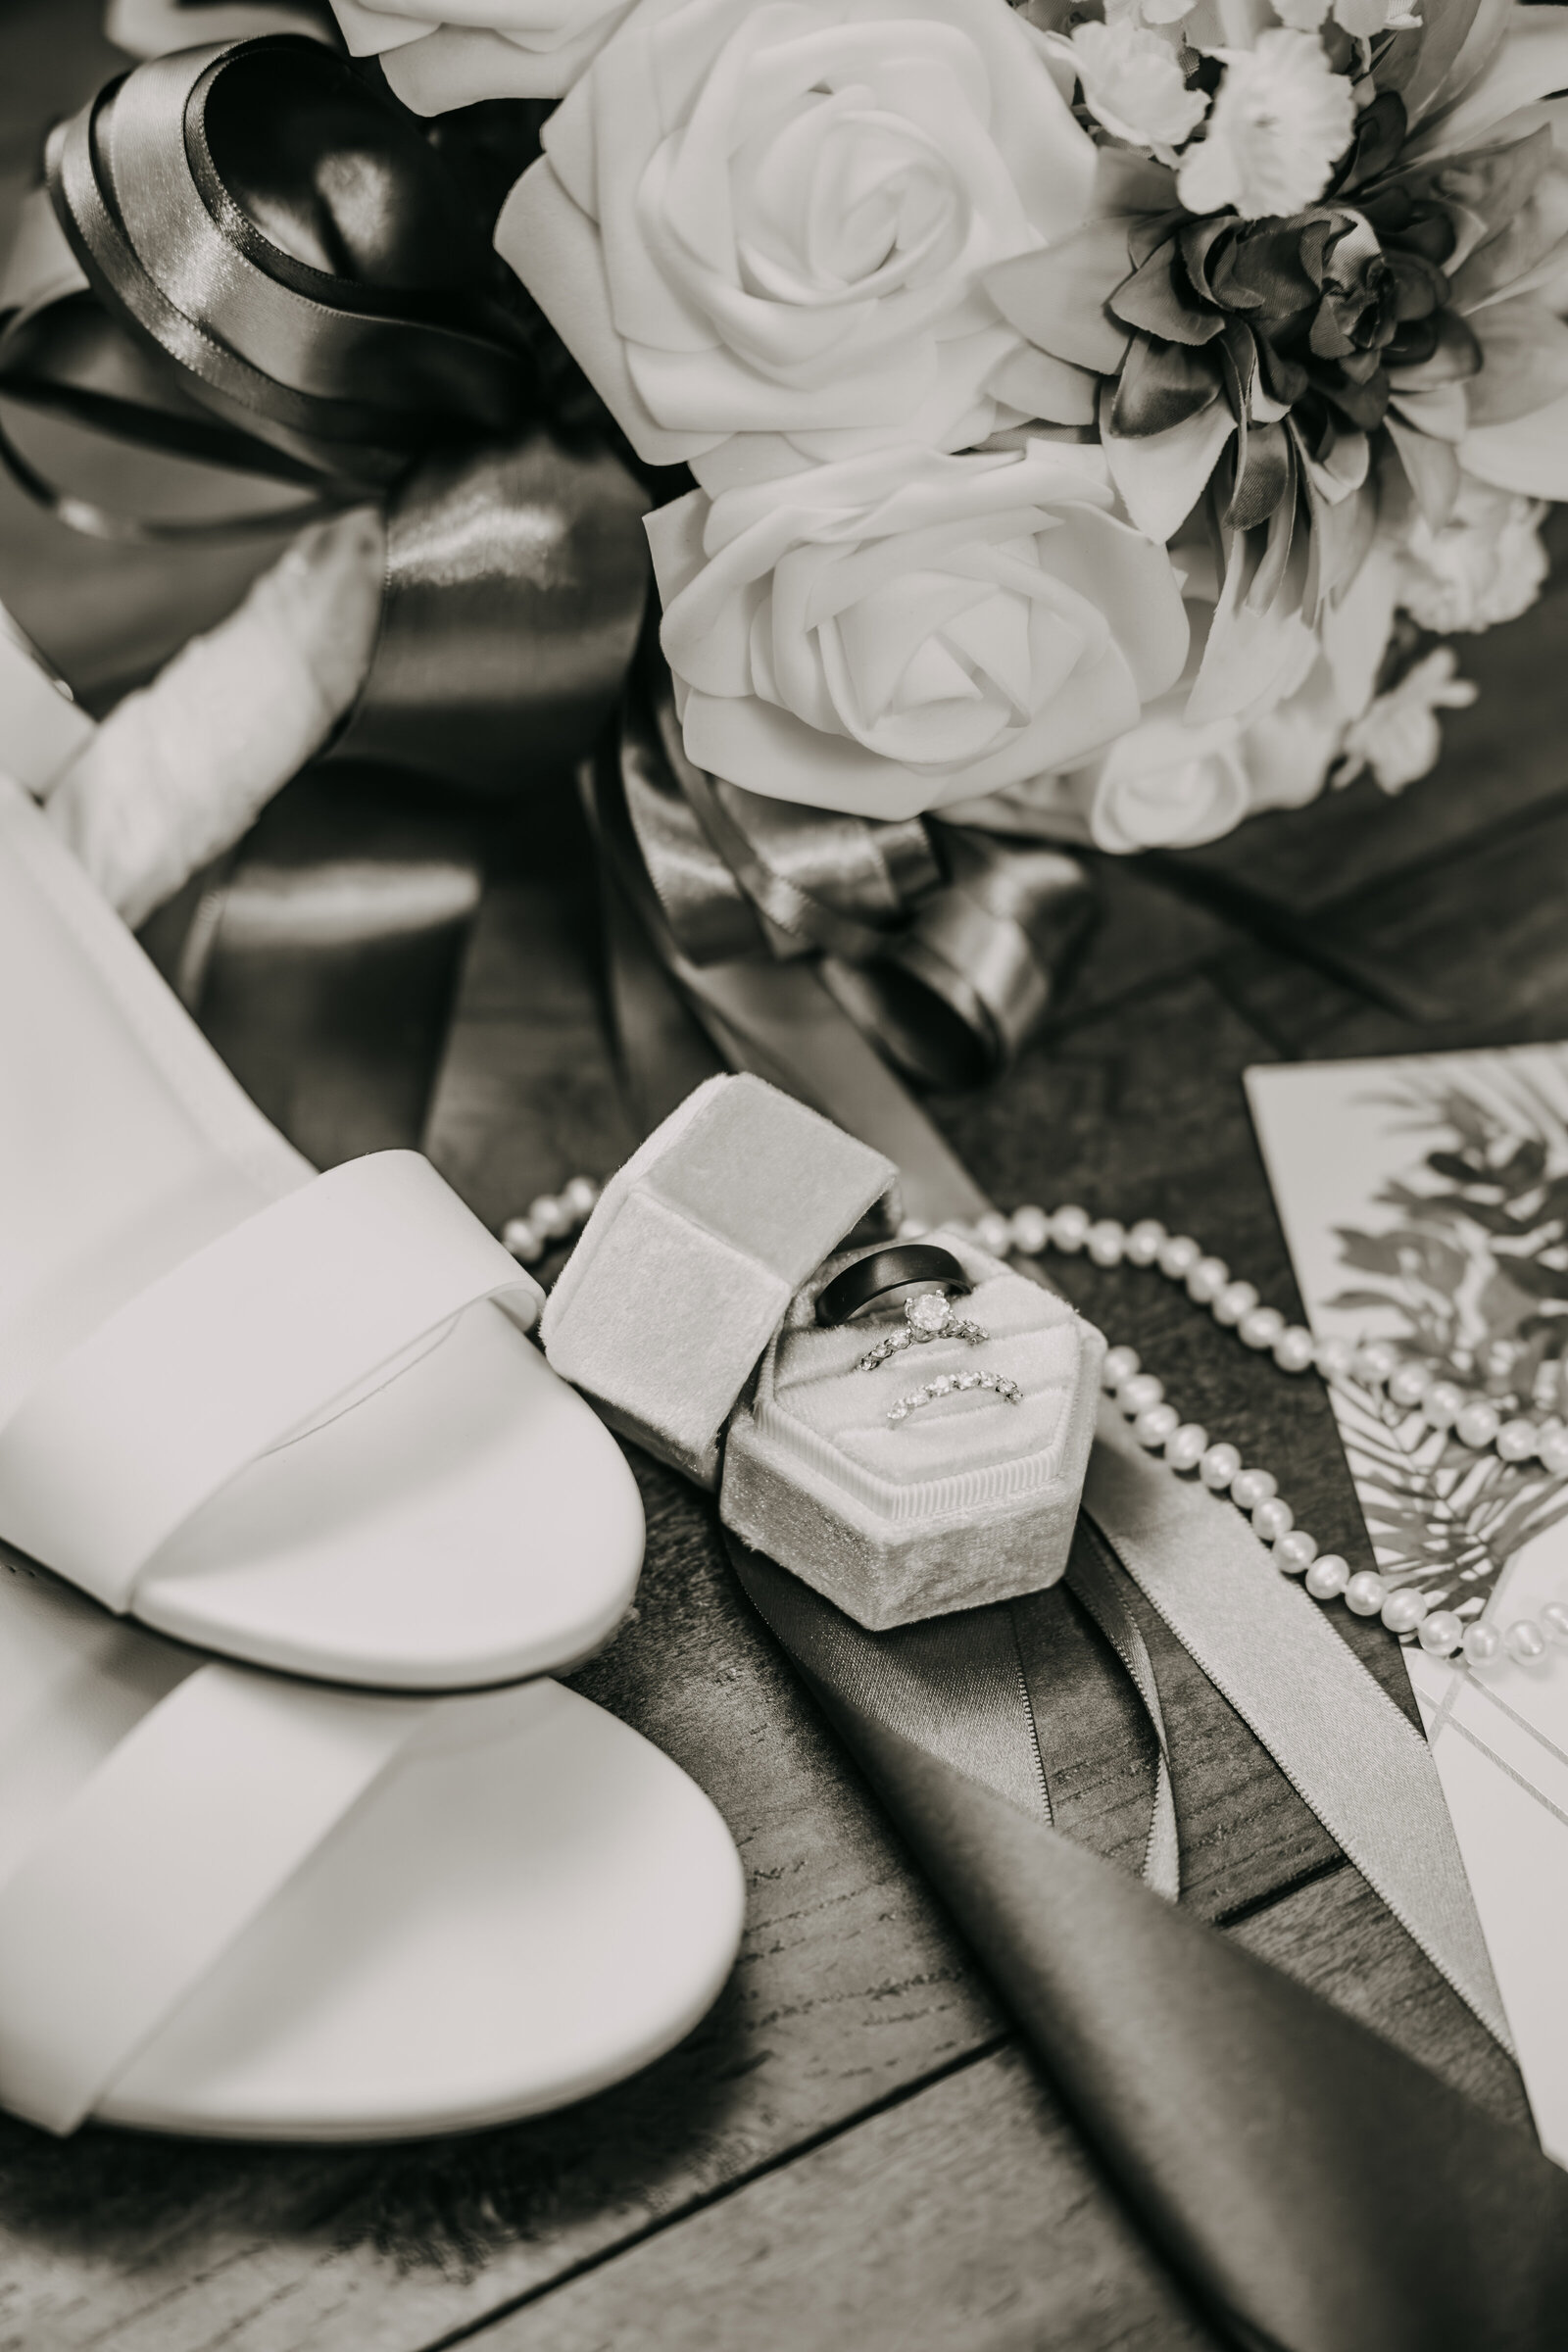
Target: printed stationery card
(1425,1201)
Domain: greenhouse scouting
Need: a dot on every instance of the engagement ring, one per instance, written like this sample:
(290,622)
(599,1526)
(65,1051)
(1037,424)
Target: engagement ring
(929,1316)
(882,1273)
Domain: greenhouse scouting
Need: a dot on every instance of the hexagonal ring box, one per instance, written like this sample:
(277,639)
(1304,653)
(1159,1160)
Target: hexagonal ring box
(687,1313)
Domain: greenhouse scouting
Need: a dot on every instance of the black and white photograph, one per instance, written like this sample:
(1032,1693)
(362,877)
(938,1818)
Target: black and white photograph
(783,1176)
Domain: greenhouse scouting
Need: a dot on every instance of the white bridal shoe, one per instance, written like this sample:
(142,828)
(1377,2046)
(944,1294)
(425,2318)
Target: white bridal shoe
(236,1904)
(290,1418)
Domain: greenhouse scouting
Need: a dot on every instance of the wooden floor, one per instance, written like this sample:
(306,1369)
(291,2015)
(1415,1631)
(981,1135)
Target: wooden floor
(851,2154)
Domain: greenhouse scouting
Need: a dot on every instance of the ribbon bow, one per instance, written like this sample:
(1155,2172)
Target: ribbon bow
(196,278)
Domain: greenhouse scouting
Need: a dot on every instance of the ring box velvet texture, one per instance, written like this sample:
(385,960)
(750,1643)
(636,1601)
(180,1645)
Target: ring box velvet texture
(689,1303)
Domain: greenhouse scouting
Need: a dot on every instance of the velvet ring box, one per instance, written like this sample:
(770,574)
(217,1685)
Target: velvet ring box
(687,1312)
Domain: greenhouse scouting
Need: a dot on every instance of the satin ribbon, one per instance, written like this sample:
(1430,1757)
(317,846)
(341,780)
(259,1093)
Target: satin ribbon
(1316,2189)
(145,299)
(944,946)
(164,312)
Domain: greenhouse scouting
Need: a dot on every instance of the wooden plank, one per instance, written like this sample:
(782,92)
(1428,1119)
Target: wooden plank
(968,2212)
(1487,929)
(1502,761)
(967,2216)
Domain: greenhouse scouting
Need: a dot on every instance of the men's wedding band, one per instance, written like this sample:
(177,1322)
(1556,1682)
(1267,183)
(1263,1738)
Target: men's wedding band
(882,1271)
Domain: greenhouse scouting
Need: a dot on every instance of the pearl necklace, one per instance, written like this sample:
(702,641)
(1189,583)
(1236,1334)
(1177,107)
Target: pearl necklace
(1185,1445)
(553,1219)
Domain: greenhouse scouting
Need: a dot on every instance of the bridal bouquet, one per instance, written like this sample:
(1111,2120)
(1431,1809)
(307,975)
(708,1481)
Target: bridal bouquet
(1093,412)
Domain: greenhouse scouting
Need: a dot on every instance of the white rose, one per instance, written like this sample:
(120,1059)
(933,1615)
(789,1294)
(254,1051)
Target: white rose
(475,49)
(773,220)
(1133,85)
(902,630)
(1165,786)
(1484,564)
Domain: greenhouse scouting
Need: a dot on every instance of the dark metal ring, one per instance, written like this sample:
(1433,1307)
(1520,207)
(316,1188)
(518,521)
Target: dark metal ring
(873,1276)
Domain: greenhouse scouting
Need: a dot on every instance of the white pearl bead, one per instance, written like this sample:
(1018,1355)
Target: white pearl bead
(1154,1427)
(1236,1300)
(1207,1280)
(1477,1425)
(1296,1551)
(549,1216)
(520,1237)
(1031,1231)
(1442,1403)
(1293,1350)
(1137,1394)
(1145,1241)
(994,1233)
(1119,1365)
(1482,1645)
(581,1197)
(1219,1466)
(1070,1229)
(1442,1633)
(1334,1357)
(1179,1256)
(1516,1440)
(913,1229)
(1375,1363)
(1364,1594)
(1249,1488)
(1261,1328)
(1553,1452)
(1403,1610)
(1328,1576)
(1410,1384)
(1184,1449)
(1525,1639)
(1106,1241)
(1273,1519)
(1554,1620)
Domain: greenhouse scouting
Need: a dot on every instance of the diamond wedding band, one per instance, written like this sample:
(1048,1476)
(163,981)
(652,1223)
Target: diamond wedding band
(949,1383)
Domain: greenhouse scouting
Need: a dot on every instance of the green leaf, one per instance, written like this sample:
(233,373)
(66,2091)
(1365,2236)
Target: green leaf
(1529,1275)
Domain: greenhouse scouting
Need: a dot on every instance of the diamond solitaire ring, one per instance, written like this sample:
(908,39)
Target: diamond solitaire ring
(952,1384)
(929,1316)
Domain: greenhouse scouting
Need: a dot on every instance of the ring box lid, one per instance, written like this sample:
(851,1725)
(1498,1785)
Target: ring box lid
(689,1261)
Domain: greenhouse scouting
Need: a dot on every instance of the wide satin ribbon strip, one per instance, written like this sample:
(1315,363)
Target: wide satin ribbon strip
(1255,1633)
(1316,2190)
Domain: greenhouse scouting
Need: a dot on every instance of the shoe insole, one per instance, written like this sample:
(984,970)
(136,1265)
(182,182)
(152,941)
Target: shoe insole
(466,1520)
(530,1903)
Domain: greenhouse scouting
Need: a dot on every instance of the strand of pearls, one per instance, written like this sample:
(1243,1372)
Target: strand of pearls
(553,1218)
(1185,1445)
(557,1218)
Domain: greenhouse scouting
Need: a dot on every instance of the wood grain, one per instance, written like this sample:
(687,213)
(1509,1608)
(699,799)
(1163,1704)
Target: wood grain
(850,2152)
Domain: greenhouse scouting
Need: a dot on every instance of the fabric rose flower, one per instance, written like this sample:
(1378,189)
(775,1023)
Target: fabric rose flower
(773,219)
(475,49)
(1483,564)
(900,630)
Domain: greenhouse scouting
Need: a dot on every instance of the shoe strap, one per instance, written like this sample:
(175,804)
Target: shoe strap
(175,1844)
(235,1350)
